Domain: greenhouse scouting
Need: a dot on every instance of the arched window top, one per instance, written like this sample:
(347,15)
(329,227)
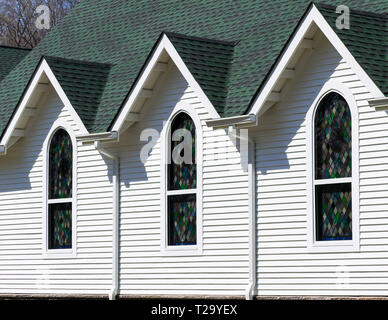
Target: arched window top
(60,190)
(183,173)
(60,165)
(333,139)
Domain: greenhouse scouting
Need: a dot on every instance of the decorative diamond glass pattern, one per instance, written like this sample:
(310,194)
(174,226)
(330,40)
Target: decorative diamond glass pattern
(182,183)
(333,138)
(60,189)
(333,161)
(60,225)
(334,211)
(182,220)
(183,176)
(61,166)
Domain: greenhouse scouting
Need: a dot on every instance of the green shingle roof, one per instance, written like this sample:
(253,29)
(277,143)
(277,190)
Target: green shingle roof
(367,40)
(9,58)
(209,62)
(229,46)
(83,82)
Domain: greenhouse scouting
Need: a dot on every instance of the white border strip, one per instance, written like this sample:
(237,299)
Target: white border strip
(165,44)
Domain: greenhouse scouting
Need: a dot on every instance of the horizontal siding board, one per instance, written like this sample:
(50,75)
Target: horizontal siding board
(284,264)
(143,268)
(23,269)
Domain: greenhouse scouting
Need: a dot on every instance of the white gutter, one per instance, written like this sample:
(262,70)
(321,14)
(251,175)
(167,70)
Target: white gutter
(380,103)
(252,221)
(245,120)
(115,219)
(104,136)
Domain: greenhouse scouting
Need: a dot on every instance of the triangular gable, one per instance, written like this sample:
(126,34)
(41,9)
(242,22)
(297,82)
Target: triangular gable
(268,96)
(163,45)
(26,106)
(261,28)
(366,39)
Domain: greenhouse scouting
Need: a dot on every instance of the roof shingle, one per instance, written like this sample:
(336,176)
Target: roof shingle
(9,58)
(83,82)
(122,33)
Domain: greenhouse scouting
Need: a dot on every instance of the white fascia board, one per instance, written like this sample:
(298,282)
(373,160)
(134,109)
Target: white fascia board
(165,44)
(313,16)
(174,55)
(23,105)
(102,137)
(244,120)
(379,103)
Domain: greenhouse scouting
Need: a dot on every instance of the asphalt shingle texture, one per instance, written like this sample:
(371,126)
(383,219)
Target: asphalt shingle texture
(83,82)
(9,58)
(209,62)
(122,33)
(366,39)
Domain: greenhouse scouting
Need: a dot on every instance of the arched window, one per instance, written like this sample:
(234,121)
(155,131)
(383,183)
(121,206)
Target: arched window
(333,169)
(60,191)
(182,182)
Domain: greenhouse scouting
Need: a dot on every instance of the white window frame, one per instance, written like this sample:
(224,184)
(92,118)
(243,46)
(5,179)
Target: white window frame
(68,252)
(335,245)
(165,148)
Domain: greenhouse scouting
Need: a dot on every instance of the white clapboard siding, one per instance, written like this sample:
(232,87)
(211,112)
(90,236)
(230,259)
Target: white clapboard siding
(23,268)
(284,265)
(222,268)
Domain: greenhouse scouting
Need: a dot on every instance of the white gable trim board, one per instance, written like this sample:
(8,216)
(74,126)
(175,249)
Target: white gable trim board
(313,17)
(165,44)
(34,88)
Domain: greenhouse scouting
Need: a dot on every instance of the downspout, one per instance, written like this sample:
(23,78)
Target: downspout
(115,219)
(252,221)
(246,121)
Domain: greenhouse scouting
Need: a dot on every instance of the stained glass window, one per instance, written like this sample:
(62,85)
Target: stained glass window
(334,211)
(60,186)
(333,160)
(182,219)
(183,175)
(60,225)
(182,182)
(333,134)
(61,166)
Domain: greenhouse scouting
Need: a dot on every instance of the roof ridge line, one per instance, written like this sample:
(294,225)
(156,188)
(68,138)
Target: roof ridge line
(85,62)
(181,35)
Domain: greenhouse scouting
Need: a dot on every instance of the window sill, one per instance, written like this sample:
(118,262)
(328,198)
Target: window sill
(333,246)
(188,250)
(59,254)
